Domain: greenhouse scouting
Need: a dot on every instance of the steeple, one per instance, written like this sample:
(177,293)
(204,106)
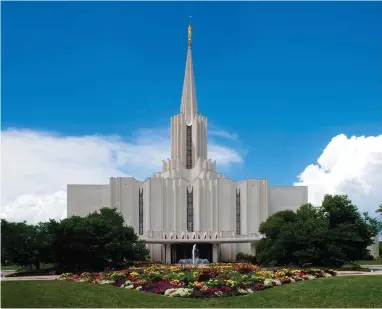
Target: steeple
(189,107)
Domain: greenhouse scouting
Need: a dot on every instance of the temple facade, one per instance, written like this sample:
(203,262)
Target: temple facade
(189,202)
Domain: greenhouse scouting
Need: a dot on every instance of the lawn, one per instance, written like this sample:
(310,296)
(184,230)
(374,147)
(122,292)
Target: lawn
(10,267)
(373,262)
(20,268)
(336,292)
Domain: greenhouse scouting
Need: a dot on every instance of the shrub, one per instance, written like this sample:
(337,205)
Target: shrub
(368,257)
(246,257)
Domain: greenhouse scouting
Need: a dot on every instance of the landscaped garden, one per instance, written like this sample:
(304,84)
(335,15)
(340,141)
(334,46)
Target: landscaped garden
(215,280)
(109,264)
(336,292)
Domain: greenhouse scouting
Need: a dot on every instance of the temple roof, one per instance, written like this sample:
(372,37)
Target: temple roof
(188,106)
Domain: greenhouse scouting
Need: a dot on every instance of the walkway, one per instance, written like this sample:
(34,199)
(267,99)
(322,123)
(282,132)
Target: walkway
(375,270)
(9,272)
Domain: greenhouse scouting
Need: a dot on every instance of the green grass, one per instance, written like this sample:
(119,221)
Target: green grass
(20,268)
(10,267)
(336,292)
(373,262)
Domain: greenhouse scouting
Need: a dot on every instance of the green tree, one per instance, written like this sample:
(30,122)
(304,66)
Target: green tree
(349,233)
(292,237)
(379,210)
(332,234)
(95,242)
(141,252)
(18,243)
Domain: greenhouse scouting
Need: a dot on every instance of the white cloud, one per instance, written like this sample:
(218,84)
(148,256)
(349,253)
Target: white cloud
(223,134)
(351,166)
(37,166)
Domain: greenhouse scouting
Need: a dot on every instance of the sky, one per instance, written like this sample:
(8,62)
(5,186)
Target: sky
(292,92)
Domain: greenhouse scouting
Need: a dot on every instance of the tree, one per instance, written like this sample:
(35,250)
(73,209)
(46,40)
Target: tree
(332,234)
(141,252)
(379,210)
(18,243)
(349,233)
(291,237)
(95,242)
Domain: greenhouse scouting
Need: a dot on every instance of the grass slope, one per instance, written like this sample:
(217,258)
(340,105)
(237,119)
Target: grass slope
(337,292)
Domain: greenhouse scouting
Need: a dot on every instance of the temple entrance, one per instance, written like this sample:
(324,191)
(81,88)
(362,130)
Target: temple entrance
(184,251)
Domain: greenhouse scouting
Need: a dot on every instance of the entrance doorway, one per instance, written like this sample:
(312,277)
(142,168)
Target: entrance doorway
(184,251)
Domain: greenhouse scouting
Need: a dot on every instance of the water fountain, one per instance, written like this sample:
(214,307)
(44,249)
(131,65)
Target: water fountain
(193,253)
(194,259)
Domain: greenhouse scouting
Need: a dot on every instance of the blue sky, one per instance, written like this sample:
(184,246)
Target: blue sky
(285,77)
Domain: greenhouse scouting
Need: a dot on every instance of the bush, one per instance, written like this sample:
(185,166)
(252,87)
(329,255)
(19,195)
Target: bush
(368,257)
(246,257)
(354,267)
(329,235)
(99,241)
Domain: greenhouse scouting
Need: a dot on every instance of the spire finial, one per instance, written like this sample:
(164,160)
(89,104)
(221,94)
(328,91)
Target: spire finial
(189,31)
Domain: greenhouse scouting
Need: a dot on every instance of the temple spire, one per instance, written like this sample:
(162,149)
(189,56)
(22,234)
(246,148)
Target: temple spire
(189,32)
(189,107)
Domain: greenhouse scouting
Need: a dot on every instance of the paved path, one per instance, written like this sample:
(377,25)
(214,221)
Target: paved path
(358,273)
(3,273)
(30,278)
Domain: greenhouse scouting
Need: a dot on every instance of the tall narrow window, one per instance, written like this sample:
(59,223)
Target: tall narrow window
(189,148)
(140,212)
(238,231)
(190,210)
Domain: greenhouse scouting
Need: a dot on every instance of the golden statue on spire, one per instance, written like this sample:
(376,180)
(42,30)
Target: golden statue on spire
(189,32)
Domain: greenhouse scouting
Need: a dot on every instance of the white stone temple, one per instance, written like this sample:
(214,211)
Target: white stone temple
(189,202)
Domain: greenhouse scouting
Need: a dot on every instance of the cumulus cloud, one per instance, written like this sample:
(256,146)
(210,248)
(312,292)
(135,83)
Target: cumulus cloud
(351,166)
(37,166)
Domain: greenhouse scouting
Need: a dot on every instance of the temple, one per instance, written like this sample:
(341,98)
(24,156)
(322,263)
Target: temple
(189,202)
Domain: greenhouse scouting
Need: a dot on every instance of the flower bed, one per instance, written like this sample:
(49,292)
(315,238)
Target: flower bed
(216,280)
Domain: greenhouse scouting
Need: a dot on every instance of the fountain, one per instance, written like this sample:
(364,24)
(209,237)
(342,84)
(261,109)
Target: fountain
(193,253)
(194,259)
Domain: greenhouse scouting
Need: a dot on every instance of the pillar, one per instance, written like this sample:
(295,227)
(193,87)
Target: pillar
(215,257)
(168,253)
(253,249)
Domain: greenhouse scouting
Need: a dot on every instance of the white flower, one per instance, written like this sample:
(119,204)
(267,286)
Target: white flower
(139,288)
(328,275)
(310,277)
(292,280)
(168,292)
(268,282)
(277,282)
(82,280)
(130,286)
(241,291)
(105,282)
(249,291)
(181,292)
